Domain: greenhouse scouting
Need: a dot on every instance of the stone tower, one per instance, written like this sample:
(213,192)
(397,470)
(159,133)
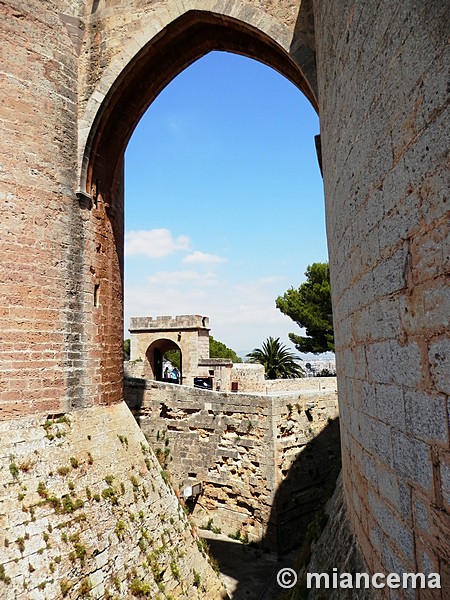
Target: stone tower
(77,75)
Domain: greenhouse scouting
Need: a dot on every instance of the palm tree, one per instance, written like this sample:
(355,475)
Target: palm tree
(278,361)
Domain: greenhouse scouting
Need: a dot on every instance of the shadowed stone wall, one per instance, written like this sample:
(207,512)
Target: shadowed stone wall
(386,177)
(243,447)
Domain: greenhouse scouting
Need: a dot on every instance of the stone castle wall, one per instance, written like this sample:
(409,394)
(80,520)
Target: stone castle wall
(61,267)
(305,383)
(248,377)
(386,177)
(84,510)
(77,76)
(242,448)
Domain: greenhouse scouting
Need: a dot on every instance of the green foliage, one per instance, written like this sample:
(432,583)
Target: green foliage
(14,470)
(202,546)
(139,588)
(235,536)
(219,350)
(3,576)
(211,527)
(174,357)
(85,586)
(42,490)
(175,570)
(197,578)
(80,550)
(54,502)
(123,440)
(278,361)
(65,587)
(69,506)
(157,572)
(109,493)
(310,307)
(126,349)
(120,529)
(49,423)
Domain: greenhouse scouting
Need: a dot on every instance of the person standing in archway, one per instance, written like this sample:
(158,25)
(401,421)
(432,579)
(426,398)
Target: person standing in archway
(175,375)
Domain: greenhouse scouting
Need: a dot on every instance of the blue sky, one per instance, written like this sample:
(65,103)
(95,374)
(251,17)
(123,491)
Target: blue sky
(224,201)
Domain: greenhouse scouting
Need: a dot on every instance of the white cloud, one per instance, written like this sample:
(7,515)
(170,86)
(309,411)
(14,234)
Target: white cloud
(182,278)
(242,316)
(154,243)
(176,124)
(269,280)
(203,258)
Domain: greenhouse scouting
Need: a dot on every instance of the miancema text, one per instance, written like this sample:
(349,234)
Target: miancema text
(377,580)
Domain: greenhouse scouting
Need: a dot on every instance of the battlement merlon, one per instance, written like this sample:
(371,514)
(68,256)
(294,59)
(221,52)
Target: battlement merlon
(169,323)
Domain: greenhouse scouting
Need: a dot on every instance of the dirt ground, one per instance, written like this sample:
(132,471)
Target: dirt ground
(248,573)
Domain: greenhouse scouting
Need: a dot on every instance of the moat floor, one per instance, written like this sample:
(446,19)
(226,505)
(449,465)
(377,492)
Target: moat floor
(247,572)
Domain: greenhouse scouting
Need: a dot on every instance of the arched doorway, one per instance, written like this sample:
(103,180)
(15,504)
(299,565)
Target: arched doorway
(136,84)
(164,361)
(128,87)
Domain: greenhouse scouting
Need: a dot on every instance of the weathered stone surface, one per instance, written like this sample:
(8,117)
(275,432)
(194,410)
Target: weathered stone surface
(250,451)
(77,76)
(89,504)
(387,217)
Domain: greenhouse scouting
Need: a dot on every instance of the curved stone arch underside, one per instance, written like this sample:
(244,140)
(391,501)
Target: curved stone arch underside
(162,46)
(160,345)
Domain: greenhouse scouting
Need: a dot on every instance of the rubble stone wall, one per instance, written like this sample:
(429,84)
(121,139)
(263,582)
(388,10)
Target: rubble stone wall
(242,447)
(305,383)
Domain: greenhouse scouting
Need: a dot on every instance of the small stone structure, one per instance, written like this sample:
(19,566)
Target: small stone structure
(263,460)
(152,337)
